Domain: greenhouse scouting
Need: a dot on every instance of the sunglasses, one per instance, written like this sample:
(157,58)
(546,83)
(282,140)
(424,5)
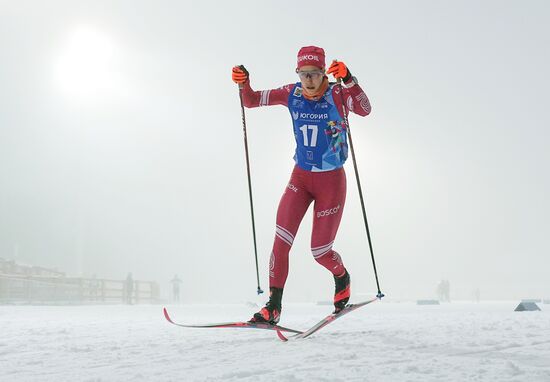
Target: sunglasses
(313,74)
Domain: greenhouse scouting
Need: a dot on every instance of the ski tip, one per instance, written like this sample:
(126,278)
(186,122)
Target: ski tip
(282,336)
(166,315)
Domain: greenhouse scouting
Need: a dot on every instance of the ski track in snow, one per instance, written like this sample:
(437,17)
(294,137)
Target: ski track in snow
(380,342)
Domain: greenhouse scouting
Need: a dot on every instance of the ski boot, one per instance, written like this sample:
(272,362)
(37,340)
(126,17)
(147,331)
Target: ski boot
(271,312)
(341,291)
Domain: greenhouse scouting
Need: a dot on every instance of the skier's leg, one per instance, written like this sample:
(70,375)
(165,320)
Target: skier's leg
(330,196)
(292,207)
(329,191)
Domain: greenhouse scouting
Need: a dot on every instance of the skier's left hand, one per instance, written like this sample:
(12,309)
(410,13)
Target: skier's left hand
(339,70)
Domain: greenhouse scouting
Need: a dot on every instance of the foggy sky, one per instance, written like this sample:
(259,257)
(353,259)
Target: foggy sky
(124,151)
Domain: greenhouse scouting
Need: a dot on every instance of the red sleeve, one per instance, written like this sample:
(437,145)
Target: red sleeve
(255,98)
(355,98)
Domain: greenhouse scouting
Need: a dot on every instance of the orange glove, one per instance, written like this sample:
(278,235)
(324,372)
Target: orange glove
(239,74)
(339,70)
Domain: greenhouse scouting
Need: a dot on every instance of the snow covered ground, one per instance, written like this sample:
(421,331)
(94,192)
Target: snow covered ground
(383,341)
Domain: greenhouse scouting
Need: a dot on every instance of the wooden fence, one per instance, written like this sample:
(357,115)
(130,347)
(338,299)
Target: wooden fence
(31,284)
(47,289)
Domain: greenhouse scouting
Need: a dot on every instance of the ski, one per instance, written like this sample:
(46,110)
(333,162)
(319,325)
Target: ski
(246,325)
(325,321)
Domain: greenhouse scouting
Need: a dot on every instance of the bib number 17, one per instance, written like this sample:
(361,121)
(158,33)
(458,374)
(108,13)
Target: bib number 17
(305,132)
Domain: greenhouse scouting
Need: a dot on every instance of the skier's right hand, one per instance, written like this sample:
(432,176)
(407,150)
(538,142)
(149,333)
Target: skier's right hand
(239,74)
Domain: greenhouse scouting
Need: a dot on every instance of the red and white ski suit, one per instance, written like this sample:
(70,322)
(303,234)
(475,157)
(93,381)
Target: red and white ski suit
(327,189)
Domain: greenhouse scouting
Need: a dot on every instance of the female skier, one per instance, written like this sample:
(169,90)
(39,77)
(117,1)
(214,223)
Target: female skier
(317,113)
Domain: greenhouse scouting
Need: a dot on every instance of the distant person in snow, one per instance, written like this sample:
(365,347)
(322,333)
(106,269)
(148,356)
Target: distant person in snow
(447,290)
(129,288)
(444,291)
(318,176)
(175,282)
(477,295)
(94,287)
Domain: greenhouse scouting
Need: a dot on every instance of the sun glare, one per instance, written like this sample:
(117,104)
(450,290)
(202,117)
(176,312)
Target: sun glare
(87,65)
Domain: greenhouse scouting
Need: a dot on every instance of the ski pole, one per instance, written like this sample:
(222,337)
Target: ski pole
(259,290)
(344,112)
